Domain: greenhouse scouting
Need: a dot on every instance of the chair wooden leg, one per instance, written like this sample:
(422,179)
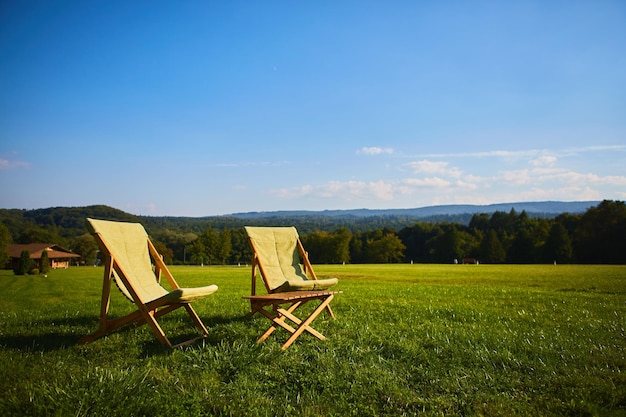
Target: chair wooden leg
(107,326)
(156,328)
(279,316)
(299,322)
(330,312)
(277,320)
(305,324)
(196,320)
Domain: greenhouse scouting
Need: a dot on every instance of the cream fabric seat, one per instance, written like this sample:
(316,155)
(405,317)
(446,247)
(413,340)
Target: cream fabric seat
(283,262)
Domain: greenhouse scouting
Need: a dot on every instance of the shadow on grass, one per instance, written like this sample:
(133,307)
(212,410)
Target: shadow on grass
(44,342)
(220,328)
(48,334)
(61,333)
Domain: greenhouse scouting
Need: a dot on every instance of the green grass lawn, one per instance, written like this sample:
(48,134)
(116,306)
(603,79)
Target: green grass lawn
(408,340)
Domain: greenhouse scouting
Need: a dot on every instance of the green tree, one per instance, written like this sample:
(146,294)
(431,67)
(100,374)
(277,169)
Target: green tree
(197,252)
(479,221)
(44,264)
(342,239)
(318,246)
(211,242)
(491,249)
(446,246)
(599,237)
(387,249)
(240,251)
(24,265)
(357,251)
(503,223)
(176,242)
(328,248)
(415,239)
(85,245)
(164,251)
(35,234)
(225,246)
(5,241)
(558,246)
(522,250)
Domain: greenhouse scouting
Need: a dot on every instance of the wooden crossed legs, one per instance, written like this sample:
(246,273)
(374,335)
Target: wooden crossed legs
(145,313)
(278,315)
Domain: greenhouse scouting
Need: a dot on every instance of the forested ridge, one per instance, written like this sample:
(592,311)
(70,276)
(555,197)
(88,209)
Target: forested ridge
(594,236)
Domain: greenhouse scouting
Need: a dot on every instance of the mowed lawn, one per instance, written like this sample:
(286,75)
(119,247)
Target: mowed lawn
(436,340)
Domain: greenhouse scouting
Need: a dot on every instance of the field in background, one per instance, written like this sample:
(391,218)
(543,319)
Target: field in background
(408,339)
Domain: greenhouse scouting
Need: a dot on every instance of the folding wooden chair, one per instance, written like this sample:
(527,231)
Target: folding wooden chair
(129,255)
(289,280)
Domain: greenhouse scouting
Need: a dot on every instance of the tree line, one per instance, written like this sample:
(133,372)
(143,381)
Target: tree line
(596,236)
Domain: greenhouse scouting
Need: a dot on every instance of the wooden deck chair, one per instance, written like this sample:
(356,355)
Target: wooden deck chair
(289,280)
(129,255)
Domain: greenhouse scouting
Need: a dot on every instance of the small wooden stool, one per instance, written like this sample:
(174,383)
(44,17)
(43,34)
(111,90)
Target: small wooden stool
(278,315)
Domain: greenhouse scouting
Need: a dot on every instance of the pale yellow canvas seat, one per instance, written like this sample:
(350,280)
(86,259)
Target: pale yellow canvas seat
(289,279)
(282,261)
(129,258)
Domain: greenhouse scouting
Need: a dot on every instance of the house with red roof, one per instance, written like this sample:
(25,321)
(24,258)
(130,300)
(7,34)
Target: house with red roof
(59,257)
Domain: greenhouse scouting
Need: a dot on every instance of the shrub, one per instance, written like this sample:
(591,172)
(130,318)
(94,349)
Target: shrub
(25,264)
(45,262)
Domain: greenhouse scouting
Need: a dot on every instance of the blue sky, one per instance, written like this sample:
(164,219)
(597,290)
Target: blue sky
(195,108)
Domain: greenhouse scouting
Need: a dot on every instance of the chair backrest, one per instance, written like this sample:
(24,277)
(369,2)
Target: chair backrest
(276,250)
(127,243)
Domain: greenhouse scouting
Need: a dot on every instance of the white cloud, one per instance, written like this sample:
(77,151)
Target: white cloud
(531,175)
(594,148)
(252,164)
(6,164)
(432,167)
(427,166)
(570,177)
(465,185)
(341,190)
(518,177)
(375,150)
(539,155)
(496,153)
(556,193)
(434,182)
(557,177)
(293,192)
(545,160)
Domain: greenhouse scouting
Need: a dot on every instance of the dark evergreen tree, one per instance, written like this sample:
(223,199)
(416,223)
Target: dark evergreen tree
(44,264)
(480,222)
(415,240)
(446,246)
(558,246)
(5,241)
(491,249)
(225,246)
(522,249)
(240,252)
(24,265)
(599,237)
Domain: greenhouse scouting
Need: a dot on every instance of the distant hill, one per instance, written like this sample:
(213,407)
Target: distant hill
(541,208)
(69,222)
